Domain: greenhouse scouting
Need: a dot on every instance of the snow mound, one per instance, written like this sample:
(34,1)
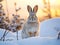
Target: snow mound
(48,27)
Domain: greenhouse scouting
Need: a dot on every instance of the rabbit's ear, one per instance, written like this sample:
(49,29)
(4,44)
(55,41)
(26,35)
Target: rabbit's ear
(29,8)
(35,8)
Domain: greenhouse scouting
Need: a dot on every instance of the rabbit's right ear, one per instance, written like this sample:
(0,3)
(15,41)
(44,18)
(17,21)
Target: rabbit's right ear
(35,8)
(29,8)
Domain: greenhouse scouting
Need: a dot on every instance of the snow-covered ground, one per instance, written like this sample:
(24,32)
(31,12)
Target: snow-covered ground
(33,41)
(49,27)
(48,35)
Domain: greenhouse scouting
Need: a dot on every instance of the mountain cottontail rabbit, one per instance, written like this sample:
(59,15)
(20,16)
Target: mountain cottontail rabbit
(31,27)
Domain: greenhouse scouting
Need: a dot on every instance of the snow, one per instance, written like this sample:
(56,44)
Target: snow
(48,35)
(35,41)
(48,27)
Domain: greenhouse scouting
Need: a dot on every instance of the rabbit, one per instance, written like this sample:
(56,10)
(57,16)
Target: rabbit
(31,27)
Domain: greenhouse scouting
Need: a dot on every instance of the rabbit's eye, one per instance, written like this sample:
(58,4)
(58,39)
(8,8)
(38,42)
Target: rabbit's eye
(30,18)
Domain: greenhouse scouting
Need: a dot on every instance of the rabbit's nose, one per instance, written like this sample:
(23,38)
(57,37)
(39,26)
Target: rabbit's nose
(32,18)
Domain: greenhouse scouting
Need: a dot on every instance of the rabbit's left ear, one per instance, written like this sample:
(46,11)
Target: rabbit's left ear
(35,8)
(29,8)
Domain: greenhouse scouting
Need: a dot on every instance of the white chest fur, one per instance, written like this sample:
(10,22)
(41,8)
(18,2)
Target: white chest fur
(32,27)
